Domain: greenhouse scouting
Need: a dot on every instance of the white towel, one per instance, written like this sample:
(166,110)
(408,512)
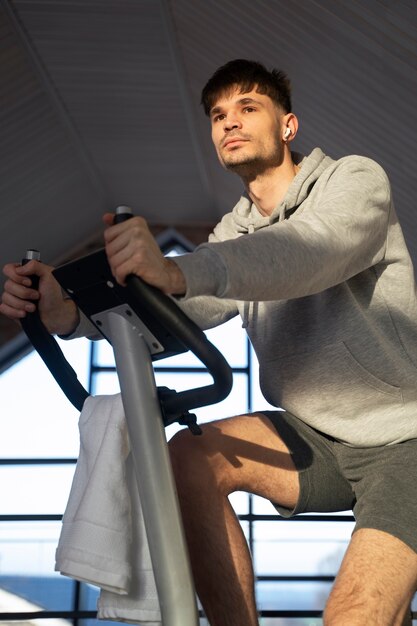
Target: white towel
(103,539)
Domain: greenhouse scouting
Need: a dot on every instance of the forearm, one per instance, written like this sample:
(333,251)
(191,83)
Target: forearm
(176,280)
(64,321)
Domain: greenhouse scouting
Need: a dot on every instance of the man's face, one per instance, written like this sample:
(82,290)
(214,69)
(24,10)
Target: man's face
(246,131)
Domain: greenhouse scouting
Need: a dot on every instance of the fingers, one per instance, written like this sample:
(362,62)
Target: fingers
(136,227)
(130,248)
(15,308)
(21,274)
(15,301)
(13,271)
(18,296)
(29,269)
(19,284)
(108,219)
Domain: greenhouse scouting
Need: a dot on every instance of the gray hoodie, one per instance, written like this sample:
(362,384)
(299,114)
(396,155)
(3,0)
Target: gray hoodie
(325,286)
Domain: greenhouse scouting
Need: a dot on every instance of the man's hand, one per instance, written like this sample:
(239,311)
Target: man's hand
(59,316)
(131,249)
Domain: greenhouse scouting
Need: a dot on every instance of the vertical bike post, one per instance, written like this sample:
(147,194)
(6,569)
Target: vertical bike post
(152,464)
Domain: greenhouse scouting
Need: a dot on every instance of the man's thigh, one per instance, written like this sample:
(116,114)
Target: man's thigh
(271,454)
(375,584)
(242,453)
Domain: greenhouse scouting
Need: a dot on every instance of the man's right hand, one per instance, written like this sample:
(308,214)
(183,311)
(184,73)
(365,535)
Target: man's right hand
(60,316)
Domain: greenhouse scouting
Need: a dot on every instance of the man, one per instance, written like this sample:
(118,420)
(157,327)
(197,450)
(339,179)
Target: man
(313,258)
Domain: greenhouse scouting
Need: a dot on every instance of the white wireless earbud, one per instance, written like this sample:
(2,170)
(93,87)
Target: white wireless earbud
(287,133)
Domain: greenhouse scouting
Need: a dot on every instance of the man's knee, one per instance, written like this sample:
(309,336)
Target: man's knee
(183,452)
(198,461)
(191,457)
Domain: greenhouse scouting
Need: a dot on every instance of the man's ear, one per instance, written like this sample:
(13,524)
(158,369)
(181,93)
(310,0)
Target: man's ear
(289,127)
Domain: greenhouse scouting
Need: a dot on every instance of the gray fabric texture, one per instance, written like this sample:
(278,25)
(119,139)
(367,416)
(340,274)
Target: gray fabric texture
(374,482)
(325,286)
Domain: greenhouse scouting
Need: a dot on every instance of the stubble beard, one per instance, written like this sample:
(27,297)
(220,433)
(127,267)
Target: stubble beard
(244,166)
(251,166)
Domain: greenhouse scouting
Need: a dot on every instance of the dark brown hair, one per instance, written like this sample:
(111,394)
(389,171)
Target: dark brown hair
(248,75)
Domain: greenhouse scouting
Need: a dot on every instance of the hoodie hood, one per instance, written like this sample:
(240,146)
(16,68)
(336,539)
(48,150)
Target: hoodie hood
(246,218)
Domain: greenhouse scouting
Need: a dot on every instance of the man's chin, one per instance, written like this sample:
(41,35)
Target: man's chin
(239,166)
(231,161)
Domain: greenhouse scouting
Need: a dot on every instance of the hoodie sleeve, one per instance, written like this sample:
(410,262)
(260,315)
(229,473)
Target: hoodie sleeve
(207,311)
(340,231)
(85,328)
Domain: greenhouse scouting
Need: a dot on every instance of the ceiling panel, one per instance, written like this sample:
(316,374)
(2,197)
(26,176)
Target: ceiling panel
(112,66)
(42,175)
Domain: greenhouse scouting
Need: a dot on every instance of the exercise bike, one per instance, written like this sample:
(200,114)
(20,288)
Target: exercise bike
(142,325)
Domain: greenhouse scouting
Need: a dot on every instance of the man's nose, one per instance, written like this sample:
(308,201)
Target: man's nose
(232,121)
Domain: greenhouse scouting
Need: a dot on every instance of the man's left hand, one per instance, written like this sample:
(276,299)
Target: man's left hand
(132,249)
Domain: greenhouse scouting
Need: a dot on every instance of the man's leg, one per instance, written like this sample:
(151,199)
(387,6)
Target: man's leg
(375,584)
(241,453)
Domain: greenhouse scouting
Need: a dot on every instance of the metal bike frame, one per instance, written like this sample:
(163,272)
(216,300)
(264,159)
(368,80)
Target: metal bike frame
(153,471)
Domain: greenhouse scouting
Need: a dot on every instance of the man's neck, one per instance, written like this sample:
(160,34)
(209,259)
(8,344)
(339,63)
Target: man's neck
(267,189)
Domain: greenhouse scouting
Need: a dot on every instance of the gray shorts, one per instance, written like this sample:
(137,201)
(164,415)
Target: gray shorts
(378,484)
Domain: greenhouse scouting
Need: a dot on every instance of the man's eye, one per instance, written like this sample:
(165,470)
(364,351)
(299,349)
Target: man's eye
(218,118)
(249,109)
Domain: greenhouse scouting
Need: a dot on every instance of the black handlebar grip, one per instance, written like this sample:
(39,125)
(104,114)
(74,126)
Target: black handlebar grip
(123,213)
(174,319)
(31,255)
(48,348)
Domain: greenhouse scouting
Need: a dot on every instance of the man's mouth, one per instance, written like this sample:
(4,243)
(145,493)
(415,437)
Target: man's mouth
(232,141)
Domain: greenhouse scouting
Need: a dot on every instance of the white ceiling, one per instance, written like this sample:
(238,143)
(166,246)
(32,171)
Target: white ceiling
(100,105)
